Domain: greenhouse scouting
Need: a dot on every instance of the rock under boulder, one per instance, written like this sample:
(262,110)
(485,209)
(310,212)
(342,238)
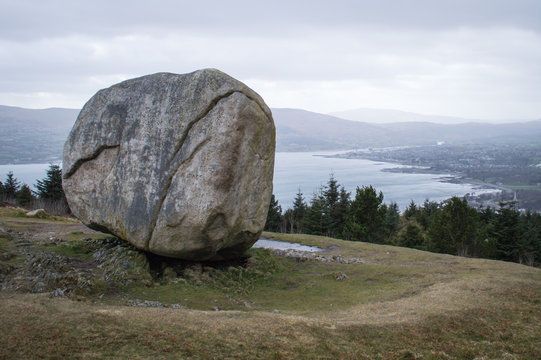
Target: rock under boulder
(178,165)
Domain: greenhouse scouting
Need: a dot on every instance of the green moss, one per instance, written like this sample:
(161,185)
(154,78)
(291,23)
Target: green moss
(261,267)
(267,281)
(78,249)
(16,260)
(7,248)
(82,236)
(98,287)
(5,241)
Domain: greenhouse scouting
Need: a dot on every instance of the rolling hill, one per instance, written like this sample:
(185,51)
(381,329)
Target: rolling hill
(37,136)
(300,130)
(385,116)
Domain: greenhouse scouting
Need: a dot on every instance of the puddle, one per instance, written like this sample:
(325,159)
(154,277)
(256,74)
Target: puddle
(282,245)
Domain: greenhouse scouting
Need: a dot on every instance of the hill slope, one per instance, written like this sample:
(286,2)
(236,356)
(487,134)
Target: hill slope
(37,136)
(389,116)
(354,301)
(300,130)
(16,118)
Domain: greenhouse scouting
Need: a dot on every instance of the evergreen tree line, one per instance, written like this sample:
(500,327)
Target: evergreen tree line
(49,194)
(451,227)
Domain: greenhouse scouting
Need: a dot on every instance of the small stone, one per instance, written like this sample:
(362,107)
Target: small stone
(145,303)
(156,304)
(133,302)
(339,275)
(58,293)
(38,287)
(37,213)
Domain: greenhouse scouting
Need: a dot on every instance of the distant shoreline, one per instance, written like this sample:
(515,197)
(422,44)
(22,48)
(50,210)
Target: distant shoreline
(452,178)
(447,176)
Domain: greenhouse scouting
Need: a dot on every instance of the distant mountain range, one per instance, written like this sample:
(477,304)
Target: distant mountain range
(300,130)
(37,136)
(30,119)
(386,116)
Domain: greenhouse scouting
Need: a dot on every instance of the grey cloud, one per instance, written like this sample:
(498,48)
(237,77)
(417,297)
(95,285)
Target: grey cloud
(25,20)
(418,55)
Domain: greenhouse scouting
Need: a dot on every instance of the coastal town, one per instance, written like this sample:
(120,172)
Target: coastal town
(509,174)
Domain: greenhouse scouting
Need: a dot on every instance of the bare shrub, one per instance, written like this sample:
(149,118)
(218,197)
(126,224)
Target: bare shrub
(55,207)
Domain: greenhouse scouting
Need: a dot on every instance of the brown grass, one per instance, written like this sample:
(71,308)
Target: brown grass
(36,326)
(404,304)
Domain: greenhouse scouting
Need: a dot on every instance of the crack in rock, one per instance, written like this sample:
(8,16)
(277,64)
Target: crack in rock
(93,156)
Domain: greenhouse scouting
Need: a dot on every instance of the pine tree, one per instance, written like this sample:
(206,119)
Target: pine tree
(454,229)
(331,191)
(487,215)
(507,233)
(365,220)
(425,214)
(315,218)
(488,244)
(536,219)
(24,196)
(392,219)
(529,238)
(11,186)
(274,216)
(50,188)
(333,219)
(412,237)
(411,211)
(297,215)
(340,211)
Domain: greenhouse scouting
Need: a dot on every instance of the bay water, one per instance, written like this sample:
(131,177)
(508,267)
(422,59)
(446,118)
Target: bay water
(26,173)
(308,172)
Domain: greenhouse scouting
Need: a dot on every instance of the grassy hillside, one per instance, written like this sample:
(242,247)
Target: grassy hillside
(357,301)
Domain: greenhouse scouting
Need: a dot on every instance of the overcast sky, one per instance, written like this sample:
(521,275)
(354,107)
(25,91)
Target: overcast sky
(466,58)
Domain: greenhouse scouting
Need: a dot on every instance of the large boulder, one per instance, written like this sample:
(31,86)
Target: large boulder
(178,165)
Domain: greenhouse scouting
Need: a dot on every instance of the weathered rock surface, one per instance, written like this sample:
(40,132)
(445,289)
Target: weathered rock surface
(37,213)
(178,165)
